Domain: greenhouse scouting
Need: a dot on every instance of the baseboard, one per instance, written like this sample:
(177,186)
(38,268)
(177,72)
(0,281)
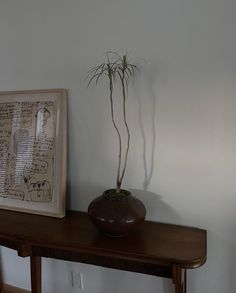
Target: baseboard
(11,289)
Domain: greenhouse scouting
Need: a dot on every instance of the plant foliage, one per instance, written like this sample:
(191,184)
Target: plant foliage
(116,69)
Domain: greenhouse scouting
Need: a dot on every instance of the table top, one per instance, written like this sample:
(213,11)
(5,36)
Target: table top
(75,238)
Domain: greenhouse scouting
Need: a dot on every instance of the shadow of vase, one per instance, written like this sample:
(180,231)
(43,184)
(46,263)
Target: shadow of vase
(157,209)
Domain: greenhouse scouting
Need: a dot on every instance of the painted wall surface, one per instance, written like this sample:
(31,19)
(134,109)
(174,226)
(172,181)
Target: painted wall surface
(182,114)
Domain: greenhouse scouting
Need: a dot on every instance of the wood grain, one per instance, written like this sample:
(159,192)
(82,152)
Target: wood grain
(75,237)
(35,267)
(154,248)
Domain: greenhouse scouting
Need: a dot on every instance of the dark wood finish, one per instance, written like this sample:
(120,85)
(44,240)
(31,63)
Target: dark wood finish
(36,269)
(179,279)
(154,248)
(1,282)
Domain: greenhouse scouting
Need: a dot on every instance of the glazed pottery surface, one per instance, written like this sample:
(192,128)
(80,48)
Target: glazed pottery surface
(116,214)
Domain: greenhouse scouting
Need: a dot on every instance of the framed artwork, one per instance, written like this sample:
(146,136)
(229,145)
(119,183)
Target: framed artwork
(33,137)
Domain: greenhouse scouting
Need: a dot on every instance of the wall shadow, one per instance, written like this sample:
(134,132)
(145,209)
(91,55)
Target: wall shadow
(85,191)
(154,76)
(157,209)
(148,163)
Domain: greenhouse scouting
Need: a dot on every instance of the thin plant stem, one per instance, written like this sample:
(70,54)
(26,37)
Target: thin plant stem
(127,128)
(116,128)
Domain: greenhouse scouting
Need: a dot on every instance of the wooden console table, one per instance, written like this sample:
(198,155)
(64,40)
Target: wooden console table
(155,248)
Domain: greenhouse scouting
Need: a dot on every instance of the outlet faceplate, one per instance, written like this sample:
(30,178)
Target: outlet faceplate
(77,280)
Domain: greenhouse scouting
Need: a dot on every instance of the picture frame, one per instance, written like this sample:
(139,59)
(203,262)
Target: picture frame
(33,141)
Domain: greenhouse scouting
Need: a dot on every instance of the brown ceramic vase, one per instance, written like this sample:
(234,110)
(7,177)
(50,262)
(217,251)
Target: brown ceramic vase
(116,214)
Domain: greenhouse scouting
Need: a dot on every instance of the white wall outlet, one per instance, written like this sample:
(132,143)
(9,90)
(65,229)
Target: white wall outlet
(77,280)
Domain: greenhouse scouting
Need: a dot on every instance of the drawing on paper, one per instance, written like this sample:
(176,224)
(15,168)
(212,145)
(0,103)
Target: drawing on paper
(27,134)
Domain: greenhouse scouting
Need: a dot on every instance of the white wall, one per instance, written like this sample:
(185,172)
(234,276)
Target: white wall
(185,102)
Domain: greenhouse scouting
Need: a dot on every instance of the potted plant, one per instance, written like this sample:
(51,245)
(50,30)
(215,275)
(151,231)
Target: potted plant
(116,212)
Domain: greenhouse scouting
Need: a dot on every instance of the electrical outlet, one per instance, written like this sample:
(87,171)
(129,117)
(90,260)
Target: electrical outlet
(77,280)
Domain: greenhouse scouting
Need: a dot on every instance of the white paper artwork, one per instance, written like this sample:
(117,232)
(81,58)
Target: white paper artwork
(27,154)
(26,150)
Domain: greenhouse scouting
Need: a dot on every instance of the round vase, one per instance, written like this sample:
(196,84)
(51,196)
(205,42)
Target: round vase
(116,214)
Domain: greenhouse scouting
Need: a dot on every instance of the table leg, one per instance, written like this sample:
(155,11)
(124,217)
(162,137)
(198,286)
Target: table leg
(179,279)
(35,268)
(1,283)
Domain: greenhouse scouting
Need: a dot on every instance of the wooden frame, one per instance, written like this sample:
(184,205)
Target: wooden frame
(33,134)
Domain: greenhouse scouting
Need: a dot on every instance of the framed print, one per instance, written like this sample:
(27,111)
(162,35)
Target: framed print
(33,136)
